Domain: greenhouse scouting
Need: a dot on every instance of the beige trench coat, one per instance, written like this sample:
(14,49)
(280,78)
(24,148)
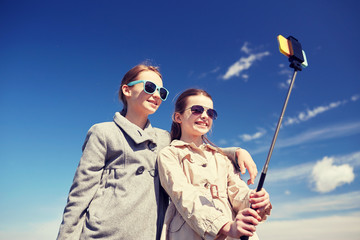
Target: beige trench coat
(204,188)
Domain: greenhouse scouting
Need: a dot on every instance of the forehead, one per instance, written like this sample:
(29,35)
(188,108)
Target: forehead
(150,76)
(199,100)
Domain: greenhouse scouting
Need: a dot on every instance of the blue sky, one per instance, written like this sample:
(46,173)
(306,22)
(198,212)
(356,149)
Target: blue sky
(61,63)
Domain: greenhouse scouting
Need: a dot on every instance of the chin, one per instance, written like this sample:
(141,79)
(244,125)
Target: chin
(151,108)
(151,111)
(202,131)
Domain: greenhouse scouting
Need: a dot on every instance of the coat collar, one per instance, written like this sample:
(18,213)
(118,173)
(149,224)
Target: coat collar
(136,133)
(179,143)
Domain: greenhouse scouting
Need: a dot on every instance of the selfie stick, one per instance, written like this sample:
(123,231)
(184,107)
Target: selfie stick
(291,48)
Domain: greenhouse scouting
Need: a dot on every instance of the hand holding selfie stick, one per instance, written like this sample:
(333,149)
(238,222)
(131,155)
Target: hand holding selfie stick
(291,48)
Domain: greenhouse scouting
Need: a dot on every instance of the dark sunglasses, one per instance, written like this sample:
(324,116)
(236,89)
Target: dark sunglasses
(197,110)
(150,88)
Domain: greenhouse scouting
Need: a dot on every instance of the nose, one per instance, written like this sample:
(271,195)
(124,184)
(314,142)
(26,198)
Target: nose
(204,115)
(156,93)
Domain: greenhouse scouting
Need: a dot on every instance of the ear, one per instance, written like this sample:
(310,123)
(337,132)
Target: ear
(126,90)
(177,117)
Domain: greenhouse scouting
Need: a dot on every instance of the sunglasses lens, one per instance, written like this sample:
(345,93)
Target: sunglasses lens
(163,93)
(196,109)
(149,87)
(212,113)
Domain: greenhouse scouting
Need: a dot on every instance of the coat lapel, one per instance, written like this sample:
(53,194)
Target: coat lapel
(137,134)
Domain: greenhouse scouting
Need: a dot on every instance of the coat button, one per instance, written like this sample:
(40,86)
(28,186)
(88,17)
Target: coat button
(153,172)
(140,170)
(152,146)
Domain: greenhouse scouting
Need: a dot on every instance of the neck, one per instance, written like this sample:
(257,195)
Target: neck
(197,140)
(137,119)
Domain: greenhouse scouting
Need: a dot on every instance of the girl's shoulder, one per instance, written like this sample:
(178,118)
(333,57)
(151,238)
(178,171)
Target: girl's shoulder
(168,150)
(176,149)
(162,132)
(104,130)
(103,127)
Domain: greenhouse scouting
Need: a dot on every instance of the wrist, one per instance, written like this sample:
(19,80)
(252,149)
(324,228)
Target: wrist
(225,229)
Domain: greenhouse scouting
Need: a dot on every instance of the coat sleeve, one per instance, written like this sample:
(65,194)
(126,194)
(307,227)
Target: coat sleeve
(230,152)
(238,191)
(195,208)
(85,184)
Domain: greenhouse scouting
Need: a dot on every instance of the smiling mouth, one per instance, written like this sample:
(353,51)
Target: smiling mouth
(201,124)
(152,102)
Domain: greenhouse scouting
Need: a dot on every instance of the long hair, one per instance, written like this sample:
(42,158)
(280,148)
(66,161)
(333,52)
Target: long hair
(180,106)
(130,76)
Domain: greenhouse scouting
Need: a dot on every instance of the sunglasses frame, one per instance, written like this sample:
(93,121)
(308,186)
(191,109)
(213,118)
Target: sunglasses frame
(157,87)
(212,115)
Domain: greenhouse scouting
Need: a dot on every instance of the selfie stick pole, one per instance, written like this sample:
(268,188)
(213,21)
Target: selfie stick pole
(296,65)
(266,165)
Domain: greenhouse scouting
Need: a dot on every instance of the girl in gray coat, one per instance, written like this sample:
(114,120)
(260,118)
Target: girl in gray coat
(116,193)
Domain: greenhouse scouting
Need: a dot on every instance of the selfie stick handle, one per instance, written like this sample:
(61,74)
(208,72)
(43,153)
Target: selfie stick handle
(266,165)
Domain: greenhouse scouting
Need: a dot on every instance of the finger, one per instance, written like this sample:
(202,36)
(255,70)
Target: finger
(260,199)
(264,212)
(249,181)
(244,232)
(252,172)
(242,166)
(259,194)
(256,194)
(248,212)
(260,204)
(247,224)
(252,221)
(257,197)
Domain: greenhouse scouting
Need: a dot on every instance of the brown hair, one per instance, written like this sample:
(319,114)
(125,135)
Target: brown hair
(180,105)
(130,76)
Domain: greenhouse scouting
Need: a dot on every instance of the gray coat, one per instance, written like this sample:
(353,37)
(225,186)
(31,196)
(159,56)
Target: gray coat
(116,192)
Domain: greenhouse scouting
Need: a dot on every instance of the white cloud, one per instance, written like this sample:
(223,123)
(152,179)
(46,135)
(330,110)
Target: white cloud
(222,142)
(308,114)
(245,76)
(352,158)
(248,137)
(285,71)
(297,172)
(205,74)
(285,84)
(245,48)
(355,98)
(312,135)
(323,204)
(242,64)
(329,132)
(326,176)
(215,70)
(330,228)
(300,172)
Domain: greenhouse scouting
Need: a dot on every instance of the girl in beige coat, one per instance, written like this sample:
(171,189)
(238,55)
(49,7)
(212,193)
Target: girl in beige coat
(208,198)
(116,182)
